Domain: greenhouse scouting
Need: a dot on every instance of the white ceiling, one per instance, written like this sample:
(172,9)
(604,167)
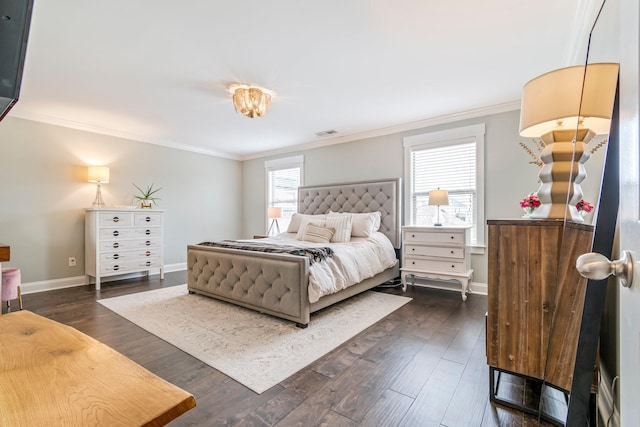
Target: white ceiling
(157,70)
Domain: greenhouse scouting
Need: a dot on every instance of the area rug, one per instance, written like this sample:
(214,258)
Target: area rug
(257,350)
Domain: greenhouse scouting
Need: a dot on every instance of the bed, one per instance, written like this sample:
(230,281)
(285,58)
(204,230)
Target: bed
(278,283)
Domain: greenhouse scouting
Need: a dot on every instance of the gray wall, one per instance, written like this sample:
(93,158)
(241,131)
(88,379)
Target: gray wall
(508,176)
(43,191)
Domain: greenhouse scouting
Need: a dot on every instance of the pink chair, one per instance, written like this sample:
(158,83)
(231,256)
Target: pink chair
(11,286)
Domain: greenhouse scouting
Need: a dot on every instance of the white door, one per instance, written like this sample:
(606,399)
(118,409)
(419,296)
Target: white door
(630,211)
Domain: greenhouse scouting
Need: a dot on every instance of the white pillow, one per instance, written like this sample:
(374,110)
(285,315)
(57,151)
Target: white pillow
(362,224)
(317,234)
(305,222)
(296,220)
(342,225)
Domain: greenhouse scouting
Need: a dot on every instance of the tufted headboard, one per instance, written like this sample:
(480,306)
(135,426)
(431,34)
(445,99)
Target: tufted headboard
(384,196)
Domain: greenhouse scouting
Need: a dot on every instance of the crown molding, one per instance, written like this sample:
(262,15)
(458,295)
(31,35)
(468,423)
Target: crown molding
(42,118)
(448,118)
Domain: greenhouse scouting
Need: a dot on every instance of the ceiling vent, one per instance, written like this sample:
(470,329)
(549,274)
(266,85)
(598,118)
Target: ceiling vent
(326,132)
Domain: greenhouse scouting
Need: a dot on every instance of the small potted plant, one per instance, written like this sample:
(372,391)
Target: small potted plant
(530,203)
(146,196)
(584,207)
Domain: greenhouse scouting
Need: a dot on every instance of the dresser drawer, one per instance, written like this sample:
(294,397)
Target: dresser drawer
(121,267)
(144,219)
(111,219)
(120,245)
(434,251)
(130,233)
(455,238)
(426,265)
(129,255)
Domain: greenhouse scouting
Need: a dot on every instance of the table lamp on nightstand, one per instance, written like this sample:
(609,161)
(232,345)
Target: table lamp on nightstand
(274,214)
(438,198)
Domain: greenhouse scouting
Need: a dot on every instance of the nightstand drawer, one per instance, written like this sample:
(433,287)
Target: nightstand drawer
(434,251)
(434,237)
(434,265)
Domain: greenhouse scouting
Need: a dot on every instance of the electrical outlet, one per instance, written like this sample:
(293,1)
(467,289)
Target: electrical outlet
(72,261)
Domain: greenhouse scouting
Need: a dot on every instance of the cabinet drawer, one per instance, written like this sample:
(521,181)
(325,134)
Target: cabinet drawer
(434,265)
(129,233)
(110,219)
(435,251)
(143,219)
(127,266)
(455,237)
(129,255)
(120,245)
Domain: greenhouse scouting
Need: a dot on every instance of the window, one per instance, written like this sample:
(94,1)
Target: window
(450,160)
(284,176)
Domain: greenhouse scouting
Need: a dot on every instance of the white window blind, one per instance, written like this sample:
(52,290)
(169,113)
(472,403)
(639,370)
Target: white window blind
(447,160)
(283,179)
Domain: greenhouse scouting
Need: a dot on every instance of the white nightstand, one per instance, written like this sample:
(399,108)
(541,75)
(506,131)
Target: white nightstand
(439,253)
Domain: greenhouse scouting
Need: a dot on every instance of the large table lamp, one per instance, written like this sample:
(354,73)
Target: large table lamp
(566,108)
(438,198)
(99,175)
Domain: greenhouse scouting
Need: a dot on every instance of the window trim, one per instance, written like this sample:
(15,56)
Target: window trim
(275,165)
(444,138)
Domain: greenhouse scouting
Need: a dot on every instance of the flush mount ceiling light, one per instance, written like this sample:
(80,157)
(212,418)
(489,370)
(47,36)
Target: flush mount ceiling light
(250,100)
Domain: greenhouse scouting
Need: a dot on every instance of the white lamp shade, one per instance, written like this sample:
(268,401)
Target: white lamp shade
(98,174)
(438,197)
(557,95)
(274,212)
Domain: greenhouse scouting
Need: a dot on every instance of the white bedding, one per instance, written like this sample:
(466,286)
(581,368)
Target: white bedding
(351,263)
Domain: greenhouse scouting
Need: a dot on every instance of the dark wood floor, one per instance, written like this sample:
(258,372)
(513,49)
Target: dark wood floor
(423,365)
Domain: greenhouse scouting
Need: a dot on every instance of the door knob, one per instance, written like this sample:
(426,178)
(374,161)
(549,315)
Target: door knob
(596,266)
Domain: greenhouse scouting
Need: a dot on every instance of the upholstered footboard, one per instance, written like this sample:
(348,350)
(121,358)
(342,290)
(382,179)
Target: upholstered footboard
(276,284)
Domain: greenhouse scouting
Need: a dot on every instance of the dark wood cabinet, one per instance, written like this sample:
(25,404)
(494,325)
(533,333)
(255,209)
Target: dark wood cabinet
(535,297)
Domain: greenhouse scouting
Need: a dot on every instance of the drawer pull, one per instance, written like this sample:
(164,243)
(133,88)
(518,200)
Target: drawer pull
(413,262)
(116,256)
(148,253)
(453,266)
(453,237)
(413,235)
(147,232)
(116,233)
(116,219)
(413,249)
(147,243)
(116,267)
(147,264)
(451,252)
(148,219)
(116,245)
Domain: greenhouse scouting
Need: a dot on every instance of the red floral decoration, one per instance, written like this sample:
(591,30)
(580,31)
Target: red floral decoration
(531,201)
(583,205)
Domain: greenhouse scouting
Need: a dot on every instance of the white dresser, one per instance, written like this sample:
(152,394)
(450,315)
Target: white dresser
(439,253)
(121,241)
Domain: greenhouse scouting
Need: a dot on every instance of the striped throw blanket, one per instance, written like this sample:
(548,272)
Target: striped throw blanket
(314,254)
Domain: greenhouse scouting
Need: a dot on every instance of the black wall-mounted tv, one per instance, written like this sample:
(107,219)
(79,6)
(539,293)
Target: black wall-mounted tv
(15,19)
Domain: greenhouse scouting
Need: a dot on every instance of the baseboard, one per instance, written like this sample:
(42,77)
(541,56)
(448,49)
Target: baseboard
(606,401)
(69,282)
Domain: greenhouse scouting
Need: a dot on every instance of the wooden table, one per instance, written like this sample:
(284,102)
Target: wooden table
(52,374)
(5,255)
